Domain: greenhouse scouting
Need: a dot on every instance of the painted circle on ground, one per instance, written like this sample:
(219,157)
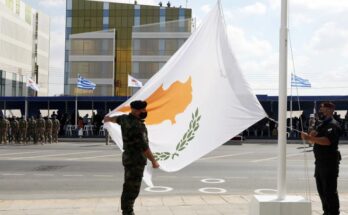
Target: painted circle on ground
(213,180)
(265,191)
(212,190)
(158,189)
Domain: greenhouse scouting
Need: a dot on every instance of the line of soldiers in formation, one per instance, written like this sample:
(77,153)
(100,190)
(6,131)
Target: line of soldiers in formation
(40,130)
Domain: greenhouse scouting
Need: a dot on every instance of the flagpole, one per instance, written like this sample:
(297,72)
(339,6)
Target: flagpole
(78,75)
(76,108)
(26,104)
(283,63)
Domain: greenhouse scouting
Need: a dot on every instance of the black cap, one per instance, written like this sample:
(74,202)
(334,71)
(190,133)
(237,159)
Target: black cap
(138,104)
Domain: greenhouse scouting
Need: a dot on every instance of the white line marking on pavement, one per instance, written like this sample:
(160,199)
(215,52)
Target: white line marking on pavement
(158,189)
(274,158)
(72,175)
(44,174)
(225,156)
(265,191)
(54,155)
(213,180)
(212,190)
(12,174)
(17,153)
(86,158)
(106,176)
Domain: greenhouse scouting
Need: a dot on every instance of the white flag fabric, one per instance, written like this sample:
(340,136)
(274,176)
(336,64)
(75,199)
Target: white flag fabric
(197,101)
(133,82)
(32,84)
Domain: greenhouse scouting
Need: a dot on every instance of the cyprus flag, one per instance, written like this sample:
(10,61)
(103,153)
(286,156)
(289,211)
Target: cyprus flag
(197,101)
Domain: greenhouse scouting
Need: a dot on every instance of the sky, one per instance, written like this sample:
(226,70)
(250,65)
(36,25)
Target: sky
(318,32)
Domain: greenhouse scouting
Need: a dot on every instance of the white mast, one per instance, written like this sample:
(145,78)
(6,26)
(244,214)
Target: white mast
(282,108)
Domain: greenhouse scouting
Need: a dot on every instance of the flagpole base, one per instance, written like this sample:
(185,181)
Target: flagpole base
(271,205)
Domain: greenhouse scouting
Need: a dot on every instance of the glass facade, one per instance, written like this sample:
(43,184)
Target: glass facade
(92,55)
(24,48)
(154,44)
(89,16)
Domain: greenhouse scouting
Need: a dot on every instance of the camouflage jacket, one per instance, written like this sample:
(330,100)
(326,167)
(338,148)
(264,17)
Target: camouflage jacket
(135,140)
(14,125)
(32,124)
(49,125)
(56,124)
(23,124)
(40,124)
(4,125)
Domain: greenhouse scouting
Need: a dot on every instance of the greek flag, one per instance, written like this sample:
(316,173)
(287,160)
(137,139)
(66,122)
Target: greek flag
(297,81)
(85,83)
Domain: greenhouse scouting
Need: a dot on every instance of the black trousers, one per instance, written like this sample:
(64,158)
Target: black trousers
(326,178)
(131,187)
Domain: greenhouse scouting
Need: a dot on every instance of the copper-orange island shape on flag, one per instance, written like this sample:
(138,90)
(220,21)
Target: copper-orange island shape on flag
(166,104)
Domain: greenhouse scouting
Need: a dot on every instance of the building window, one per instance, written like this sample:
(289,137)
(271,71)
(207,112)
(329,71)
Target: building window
(14,84)
(162,11)
(2,83)
(68,32)
(68,22)
(106,6)
(68,13)
(136,21)
(105,13)
(21,85)
(69,4)
(137,13)
(105,20)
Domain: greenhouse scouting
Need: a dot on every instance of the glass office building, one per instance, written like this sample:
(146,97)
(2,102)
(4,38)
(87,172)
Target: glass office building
(24,48)
(92,55)
(84,16)
(154,44)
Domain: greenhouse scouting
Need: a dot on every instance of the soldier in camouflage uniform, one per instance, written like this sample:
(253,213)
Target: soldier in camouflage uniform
(14,130)
(135,154)
(40,129)
(31,134)
(55,128)
(48,131)
(23,126)
(4,127)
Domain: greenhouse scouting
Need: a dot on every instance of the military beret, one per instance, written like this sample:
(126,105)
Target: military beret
(328,105)
(138,104)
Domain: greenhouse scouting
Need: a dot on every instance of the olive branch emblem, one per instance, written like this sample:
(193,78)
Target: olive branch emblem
(185,140)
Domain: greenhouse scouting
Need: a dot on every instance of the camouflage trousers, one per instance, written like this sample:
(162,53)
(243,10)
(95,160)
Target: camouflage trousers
(131,187)
(3,137)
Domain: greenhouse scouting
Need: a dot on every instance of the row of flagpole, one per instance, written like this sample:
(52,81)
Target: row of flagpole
(85,84)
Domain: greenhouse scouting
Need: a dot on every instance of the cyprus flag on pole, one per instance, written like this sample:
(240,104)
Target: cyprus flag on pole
(197,101)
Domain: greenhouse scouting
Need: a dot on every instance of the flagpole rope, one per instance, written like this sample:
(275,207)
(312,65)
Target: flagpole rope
(306,171)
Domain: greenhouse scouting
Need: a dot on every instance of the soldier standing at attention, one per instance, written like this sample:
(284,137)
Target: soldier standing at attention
(48,131)
(7,129)
(3,130)
(40,129)
(14,130)
(327,157)
(55,128)
(31,134)
(135,154)
(23,126)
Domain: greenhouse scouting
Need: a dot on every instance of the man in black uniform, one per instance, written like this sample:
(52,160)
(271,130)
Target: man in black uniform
(327,157)
(135,154)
